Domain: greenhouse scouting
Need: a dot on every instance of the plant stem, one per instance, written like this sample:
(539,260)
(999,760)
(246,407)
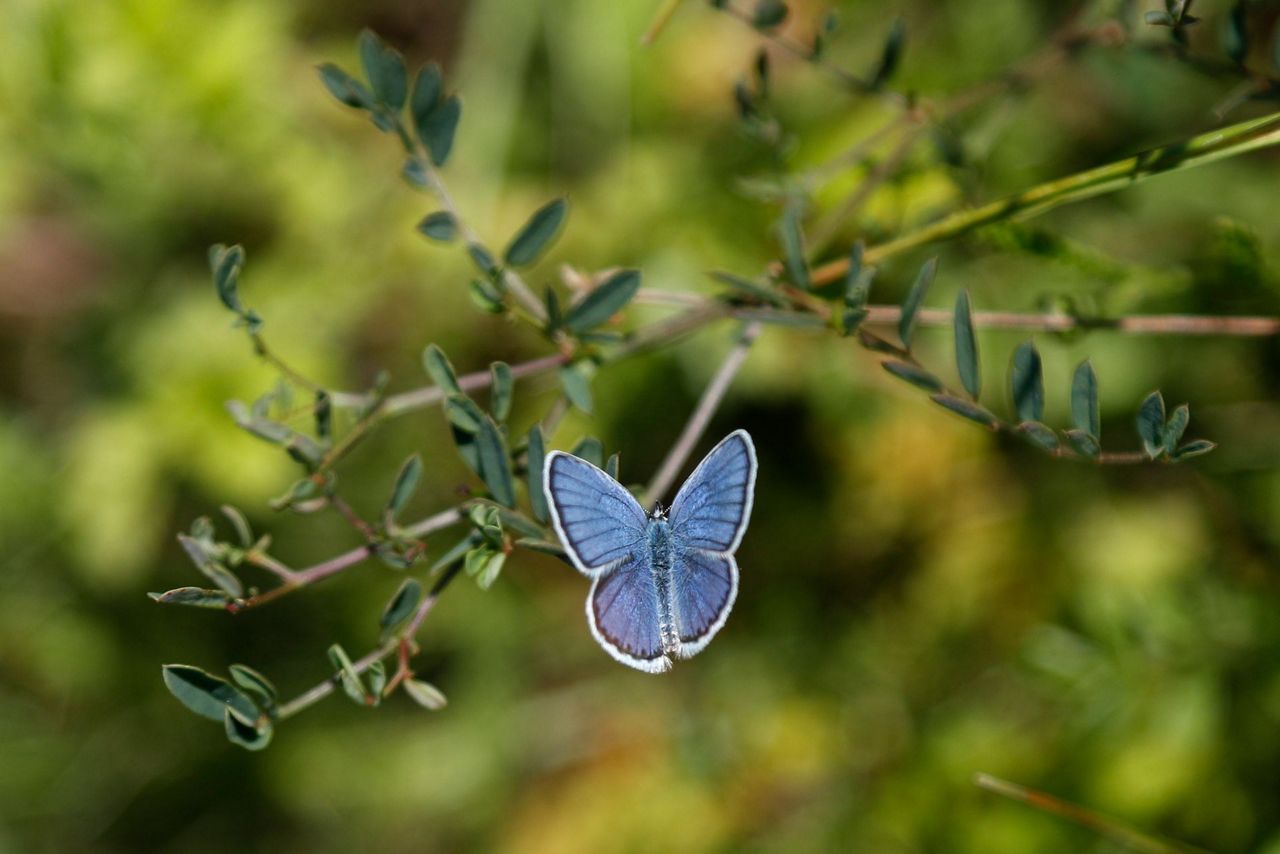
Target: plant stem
(299,578)
(1121,834)
(314,695)
(1205,148)
(428,395)
(702,413)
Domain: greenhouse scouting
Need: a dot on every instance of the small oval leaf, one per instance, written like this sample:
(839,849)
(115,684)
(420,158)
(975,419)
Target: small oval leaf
(536,235)
(1026,382)
(967,347)
(602,303)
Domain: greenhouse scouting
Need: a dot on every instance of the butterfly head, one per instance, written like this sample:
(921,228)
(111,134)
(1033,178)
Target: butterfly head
(658,512)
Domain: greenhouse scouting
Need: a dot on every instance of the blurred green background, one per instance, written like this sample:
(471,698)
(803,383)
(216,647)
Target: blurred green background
(920,601)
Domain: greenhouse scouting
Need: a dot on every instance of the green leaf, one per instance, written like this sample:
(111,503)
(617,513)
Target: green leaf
(239,523)
(1150,423)
(576,386)
(1158,19)
(439,226)
(425,694)
(890,55)
(483,260)
(1084,400)
(768,14)
(195,597)
(537,456)
(344,87)
(377,677)
(1195,448)
(456,553)
(401,605)
(384,68)
(1235,35)
(495,462)
(225,263)
(603,302)
(543,546)
(486,297)
(793,255)
(440,369)
(213,570)
(323,415)
(611,465)
(967,347)
(463,413)
(488,573)
(917,376)
(501,389)
(966,409)
(530,242)
(1040,434)
(1026,382)
(428,86)
(1085,442)
(351,682)
(254,736)
(1175,427)
(207,695)
(590,449)
(438,128)
(857,282)
(255,683)
(914,297)
(406,484)
(555,318)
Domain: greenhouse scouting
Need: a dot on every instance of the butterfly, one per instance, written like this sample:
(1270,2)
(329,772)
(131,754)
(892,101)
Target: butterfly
(662,584)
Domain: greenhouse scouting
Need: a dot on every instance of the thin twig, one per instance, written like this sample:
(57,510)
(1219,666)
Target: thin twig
(1205,148)
(428,395)
(324,689)
(1121,834)
(300,578)
(701,417)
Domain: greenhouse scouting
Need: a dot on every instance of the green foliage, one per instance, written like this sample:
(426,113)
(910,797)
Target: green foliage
(890,55)
(439,226)
(906,324)
(603,301)
(914,374)
(1026,381)
(1084,401)
(967,347)
(793,252)
(768,14)
(537,234)
(537,456)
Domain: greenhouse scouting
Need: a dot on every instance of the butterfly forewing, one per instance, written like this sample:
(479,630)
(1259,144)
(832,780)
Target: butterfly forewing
(623,611)
(598,521)
(713,507)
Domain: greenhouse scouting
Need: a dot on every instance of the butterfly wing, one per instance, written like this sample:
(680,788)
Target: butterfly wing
(703,587)
(713,507)
(624,615)
(598,521)
(708,519)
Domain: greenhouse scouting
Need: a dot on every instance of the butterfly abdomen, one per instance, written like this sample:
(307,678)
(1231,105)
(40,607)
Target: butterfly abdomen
(662,554)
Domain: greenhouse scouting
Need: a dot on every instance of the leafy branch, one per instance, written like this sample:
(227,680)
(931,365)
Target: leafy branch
(507,511)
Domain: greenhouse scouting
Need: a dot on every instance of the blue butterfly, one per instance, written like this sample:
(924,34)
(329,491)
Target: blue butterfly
(662,585)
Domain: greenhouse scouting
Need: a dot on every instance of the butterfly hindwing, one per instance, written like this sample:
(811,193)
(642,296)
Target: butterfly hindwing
(623,611)
(703,587)
(712,509)
(598,521)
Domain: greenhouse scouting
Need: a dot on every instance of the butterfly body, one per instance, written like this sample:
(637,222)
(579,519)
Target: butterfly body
(662,583)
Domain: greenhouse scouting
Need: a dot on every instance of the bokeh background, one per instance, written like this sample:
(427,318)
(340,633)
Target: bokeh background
(920,601)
